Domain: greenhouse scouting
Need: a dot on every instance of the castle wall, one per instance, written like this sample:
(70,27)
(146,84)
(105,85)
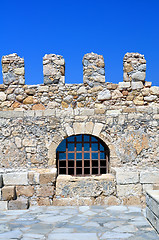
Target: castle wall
(34,119)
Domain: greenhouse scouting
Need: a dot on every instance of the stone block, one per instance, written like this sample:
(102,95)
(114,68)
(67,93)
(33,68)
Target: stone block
(137,85)
(8,193)
(79,128)
(33,177)
(104,95)
(41,201)
(132,200)
(3,205)
(48,177)
(45,191)
(154,90)
(16,178)
(127,177)
(97,129)
(123,85)
(149,177)
(139,76)
(27,191)
(129,190)
(19,204)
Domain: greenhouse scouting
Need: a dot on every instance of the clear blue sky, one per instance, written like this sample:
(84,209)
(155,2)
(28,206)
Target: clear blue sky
(72,28)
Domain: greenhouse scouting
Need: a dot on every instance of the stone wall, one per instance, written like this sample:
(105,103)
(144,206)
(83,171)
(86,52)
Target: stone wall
(34,119)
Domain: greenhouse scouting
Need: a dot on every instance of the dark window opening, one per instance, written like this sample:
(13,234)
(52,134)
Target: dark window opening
(82,155)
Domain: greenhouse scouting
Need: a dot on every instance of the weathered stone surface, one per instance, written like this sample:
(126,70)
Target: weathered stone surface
(104,95)
(139,76)
(68,186)
(129,189)
(44,201)
(38,107)
(150,98)
(123,85)
(8,193)
(137,85)
(45,178)
(3,205)
(45,191)
(18,204)
(149,177)
(16,178)
(2,96)
(27,191)
(154,90)
(127,177)
(19,71)
(28,100)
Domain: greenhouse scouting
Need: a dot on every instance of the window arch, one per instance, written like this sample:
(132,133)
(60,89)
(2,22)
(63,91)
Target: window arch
(82,155)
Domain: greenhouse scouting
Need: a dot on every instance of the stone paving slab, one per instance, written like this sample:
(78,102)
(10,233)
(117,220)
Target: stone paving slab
(76,223)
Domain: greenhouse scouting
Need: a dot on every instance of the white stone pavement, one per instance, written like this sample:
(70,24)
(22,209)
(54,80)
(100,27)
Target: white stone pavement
(76,223)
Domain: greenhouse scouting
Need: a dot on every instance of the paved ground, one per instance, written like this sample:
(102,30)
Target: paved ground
(76,223)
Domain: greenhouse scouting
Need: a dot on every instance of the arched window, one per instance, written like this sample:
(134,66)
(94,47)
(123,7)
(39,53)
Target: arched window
(82,155)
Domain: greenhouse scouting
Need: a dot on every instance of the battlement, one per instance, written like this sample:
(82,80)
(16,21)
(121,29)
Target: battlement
(133,91)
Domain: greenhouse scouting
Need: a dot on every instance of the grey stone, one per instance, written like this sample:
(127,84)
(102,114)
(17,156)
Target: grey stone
(104,95)
(142,68)
(18,204)
(16,178)
(138,76)
(75,236)
(137,85)
(150,98)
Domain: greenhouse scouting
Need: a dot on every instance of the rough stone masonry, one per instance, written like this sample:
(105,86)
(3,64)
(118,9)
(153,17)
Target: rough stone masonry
(34,119)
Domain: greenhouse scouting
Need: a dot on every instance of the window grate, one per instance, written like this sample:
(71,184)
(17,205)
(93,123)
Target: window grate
(82,155)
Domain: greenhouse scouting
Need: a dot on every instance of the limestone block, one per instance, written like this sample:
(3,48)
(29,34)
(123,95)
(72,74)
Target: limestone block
(45,191)
(154,90)
(148,84)
(3,205)
(29,142)
(67,186)
(43,88)
(113,112)
(69,130)
(18,142)
(132,200)
(27,191)
(19,71)
(2,96)
(79,128)
(123,85)
(104,95)
(33,178)
(127,177)
(48,177)
(89,127)
(52,153)
(87,201)
(82,90)
(44,201)
(16,178)
(8,193)
(152,201)
(139,76)
(97,129)
(136,85)
(87,112)
(150,98)
(128,190)
(116,94)
(20,203)
(149,177)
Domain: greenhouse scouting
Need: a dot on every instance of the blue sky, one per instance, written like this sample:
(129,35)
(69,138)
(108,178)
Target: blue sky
(72,28)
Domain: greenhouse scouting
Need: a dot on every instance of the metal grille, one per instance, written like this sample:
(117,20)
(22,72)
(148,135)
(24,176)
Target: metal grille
(82,155)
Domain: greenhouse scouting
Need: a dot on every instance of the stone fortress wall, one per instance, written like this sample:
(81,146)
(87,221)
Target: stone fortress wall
(34,119)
